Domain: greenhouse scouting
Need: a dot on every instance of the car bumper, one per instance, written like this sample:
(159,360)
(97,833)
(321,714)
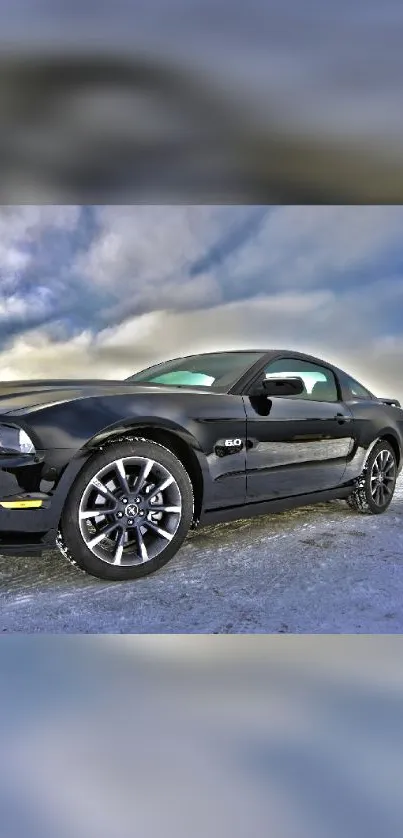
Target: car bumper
(32,495)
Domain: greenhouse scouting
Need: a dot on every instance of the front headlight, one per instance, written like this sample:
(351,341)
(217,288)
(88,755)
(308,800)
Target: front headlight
(15,441)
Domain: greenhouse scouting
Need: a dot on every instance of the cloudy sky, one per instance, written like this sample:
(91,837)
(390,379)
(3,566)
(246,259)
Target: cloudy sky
(104,291)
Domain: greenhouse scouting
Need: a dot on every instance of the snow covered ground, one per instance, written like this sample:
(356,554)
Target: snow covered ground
(316,569)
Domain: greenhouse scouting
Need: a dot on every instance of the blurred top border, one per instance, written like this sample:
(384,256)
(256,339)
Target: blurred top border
(88,126)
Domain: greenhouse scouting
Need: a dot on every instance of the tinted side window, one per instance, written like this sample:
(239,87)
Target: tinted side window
(319,382)
(355,390)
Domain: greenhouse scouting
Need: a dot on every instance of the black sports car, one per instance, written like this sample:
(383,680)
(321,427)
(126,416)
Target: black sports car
(116,472)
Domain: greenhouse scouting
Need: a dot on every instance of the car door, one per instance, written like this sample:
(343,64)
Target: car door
(218,421)
(297,444)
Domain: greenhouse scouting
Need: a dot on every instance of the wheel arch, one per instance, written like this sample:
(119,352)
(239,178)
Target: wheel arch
(181,444)
(391,438)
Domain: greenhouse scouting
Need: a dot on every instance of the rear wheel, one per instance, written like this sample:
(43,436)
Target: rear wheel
(128,512)
(376,485)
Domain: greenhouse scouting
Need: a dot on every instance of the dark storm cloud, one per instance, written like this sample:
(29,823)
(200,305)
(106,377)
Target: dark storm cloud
(230,242)
(42,288)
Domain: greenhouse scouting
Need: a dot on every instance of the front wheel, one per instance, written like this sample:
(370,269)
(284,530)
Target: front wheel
(376,485)
(128,512)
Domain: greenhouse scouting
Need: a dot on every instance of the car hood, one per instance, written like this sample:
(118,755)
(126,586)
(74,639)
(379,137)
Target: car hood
(25,396)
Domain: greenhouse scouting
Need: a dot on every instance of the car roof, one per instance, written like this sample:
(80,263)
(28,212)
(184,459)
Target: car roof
(291,353)
(285,353)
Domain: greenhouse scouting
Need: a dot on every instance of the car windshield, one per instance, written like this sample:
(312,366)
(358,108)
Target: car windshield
(218,371)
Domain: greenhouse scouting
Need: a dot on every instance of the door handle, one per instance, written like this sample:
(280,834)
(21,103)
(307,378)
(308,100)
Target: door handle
(342,417)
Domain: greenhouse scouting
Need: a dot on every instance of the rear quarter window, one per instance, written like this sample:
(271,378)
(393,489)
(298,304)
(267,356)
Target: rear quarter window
(353,390)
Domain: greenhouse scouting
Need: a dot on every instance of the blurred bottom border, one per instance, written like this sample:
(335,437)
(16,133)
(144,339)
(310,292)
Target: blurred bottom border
(201,735)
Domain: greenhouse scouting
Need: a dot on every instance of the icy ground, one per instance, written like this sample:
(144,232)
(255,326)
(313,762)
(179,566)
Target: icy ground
(316,569)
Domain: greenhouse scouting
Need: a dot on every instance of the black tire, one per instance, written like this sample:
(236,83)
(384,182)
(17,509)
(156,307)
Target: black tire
(362,498)
(75,526)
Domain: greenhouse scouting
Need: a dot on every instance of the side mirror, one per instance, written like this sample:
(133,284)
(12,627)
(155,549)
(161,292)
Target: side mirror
(282,387)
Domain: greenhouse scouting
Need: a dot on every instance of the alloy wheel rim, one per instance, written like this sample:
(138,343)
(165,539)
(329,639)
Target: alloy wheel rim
(130,511)
(383,477)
